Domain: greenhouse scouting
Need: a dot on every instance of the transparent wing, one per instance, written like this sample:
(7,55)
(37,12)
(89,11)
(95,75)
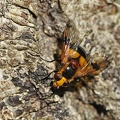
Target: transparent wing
(70,35)
(93,68)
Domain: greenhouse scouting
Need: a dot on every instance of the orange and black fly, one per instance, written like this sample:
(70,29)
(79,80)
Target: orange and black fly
(75,62)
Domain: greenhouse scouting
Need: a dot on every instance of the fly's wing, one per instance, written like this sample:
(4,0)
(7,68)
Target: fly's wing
(70,35)
(65,44)
(98,66)
(93,68)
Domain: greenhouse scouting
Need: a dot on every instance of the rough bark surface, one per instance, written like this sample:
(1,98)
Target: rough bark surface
(28,40)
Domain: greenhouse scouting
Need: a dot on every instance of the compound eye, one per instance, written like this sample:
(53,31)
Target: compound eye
(57,76)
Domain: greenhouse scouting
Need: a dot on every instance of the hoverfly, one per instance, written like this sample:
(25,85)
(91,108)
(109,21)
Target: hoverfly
(75,62)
